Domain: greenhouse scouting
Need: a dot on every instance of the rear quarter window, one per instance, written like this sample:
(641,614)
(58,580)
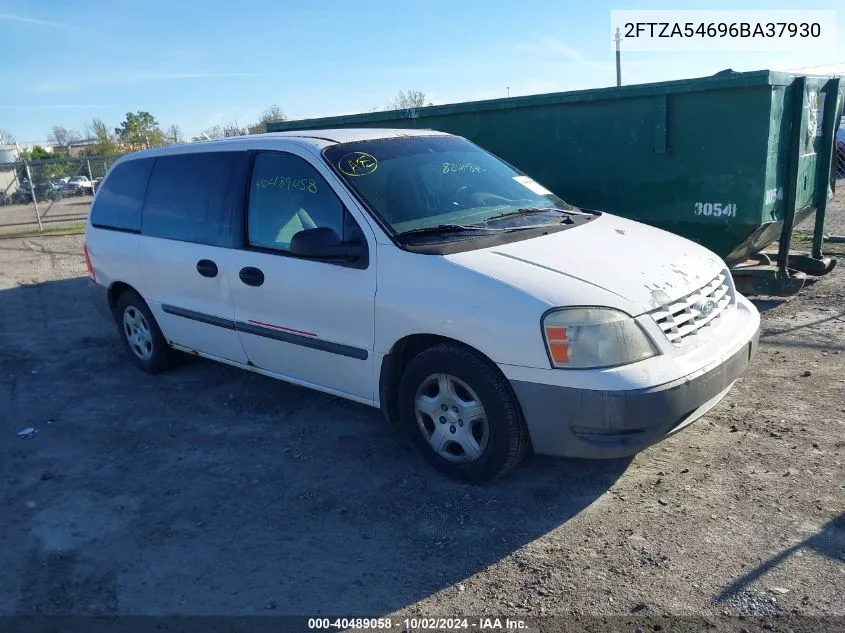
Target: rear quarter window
(120,198)
(196,198)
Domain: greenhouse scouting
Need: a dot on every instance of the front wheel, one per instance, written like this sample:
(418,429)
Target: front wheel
(461,414)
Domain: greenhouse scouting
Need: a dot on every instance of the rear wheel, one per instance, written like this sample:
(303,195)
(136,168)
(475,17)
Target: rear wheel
(141,335)
(461,414)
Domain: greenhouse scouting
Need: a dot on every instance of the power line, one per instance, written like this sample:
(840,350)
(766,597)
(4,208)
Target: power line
(842,63)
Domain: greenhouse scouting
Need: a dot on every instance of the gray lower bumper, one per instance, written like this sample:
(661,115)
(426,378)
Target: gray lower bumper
(604,424)
(100,296)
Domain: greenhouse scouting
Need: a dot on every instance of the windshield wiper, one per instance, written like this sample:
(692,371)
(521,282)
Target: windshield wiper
(448,228)
(532,210)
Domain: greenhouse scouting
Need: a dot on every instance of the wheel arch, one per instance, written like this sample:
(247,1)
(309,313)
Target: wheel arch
(396,360)
(116,289)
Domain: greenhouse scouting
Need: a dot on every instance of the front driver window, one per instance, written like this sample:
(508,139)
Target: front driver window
(287,195)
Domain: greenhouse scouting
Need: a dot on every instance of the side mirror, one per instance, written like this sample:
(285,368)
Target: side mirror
(323,243)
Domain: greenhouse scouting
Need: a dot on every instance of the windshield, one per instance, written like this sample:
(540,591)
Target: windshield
(422,182)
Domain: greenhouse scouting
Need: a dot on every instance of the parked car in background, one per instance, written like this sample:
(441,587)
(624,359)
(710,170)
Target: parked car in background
(45,191)
(21,196)
(79,186)
(413,271)
(840,149)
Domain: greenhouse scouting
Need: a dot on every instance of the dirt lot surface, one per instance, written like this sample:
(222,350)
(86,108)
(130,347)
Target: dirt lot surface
(208,490)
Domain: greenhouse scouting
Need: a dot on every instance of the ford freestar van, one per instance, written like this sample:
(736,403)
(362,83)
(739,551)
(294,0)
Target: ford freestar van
(415,272)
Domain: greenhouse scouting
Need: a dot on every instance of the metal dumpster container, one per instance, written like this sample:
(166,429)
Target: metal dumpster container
(732,161)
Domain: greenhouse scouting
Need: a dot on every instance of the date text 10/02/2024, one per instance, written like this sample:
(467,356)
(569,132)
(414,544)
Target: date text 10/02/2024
(418,624)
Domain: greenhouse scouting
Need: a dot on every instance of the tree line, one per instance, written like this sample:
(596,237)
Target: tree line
(138,130)
(141,130)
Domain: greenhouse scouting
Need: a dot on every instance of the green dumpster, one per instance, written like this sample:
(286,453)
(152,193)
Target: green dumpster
(732,161)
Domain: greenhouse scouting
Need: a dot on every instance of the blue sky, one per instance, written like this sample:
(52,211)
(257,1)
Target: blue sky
(198,64)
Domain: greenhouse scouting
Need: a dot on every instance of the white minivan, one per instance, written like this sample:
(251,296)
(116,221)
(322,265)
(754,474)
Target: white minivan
(415,272)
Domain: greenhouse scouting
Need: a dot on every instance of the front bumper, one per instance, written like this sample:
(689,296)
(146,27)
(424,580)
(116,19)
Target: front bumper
(572,422)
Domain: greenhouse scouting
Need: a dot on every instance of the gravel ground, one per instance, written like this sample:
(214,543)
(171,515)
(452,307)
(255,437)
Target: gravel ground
(210,491)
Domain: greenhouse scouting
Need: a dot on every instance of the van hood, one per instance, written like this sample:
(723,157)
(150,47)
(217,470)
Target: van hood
(609,261)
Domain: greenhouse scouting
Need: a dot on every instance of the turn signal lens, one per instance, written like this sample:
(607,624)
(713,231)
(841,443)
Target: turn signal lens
(558,345)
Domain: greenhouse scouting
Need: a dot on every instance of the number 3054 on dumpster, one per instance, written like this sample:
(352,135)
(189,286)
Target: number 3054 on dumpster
(716,209)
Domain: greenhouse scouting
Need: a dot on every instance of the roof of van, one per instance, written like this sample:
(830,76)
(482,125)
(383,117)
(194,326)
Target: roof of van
(315,138)
(349,135)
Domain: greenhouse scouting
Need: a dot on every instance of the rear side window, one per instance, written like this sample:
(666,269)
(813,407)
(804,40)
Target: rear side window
(195,197)
(119,200)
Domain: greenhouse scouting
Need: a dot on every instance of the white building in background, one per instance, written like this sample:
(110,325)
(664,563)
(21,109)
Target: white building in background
(8,153)
(8,170)
(25,146)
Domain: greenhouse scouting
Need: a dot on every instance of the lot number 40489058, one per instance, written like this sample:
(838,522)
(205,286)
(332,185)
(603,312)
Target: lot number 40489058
(716,209)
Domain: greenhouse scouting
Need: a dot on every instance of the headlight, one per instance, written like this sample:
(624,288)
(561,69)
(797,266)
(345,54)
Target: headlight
(588,338)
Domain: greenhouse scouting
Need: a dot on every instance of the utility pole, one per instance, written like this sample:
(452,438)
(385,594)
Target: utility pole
(509,91)
(618,40)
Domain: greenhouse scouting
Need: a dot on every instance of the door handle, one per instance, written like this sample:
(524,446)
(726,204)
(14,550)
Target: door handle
(207,268)
(251,276)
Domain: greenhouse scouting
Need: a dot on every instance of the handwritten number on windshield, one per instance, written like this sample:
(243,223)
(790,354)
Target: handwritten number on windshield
(472,168)
(286,182)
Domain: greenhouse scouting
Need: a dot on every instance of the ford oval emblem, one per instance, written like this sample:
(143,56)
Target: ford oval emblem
(706,307)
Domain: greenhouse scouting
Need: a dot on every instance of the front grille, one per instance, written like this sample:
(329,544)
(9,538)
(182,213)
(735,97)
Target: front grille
(685,317)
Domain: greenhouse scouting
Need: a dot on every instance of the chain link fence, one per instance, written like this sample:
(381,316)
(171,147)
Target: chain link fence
(52,192)
(835,220)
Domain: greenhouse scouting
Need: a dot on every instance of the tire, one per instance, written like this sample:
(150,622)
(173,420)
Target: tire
(477,450)
(141,335)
